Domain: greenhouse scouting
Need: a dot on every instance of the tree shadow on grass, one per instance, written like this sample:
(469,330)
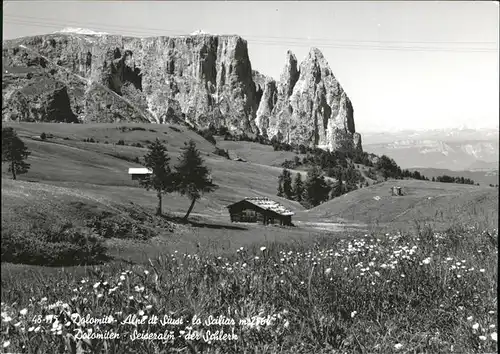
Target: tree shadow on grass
(200,223)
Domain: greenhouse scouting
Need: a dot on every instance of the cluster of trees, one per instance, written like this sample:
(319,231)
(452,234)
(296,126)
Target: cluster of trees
(390,169)
(322,157)
(312,191)
(450,179)
(190,176)
(335,164)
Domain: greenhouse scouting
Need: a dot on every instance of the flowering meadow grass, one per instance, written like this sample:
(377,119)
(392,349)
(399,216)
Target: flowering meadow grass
(420,292)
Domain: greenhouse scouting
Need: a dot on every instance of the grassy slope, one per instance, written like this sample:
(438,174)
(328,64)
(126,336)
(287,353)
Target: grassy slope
(256,153)
(423,201)
(69,179)
(70,173)
(57,160)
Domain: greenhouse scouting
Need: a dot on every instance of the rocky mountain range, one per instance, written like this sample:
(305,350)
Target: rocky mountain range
(201,79)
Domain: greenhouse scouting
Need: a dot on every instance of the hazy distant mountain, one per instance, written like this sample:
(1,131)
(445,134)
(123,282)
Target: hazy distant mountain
(453,149)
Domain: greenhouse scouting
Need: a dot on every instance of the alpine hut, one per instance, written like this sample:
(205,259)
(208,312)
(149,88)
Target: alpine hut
(260,209)
(139,173)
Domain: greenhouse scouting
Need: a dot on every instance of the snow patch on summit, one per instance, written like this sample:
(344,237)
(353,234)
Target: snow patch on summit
(198,33)
(81,31)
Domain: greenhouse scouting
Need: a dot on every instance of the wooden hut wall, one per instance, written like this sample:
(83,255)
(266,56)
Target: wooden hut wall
(249,212)
(245,212)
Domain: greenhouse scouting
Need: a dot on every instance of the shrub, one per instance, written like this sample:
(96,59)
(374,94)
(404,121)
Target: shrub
(222,131)
(43,136)
(120,142)
(175,129)
(118,227)
(222,152)
(60,245)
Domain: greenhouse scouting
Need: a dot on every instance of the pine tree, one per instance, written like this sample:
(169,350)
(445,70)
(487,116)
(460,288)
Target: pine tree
(298,188)
(14,152)
(316,190)
(192,176)
(161,179)
(287,184)
(339,188)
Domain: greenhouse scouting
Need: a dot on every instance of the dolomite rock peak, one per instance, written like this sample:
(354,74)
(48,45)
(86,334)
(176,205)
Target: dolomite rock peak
(311,107)
(201,79)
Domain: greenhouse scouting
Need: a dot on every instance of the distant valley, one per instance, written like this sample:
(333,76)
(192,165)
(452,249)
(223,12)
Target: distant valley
(444,150)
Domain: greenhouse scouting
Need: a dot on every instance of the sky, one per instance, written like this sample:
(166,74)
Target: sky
(405,65)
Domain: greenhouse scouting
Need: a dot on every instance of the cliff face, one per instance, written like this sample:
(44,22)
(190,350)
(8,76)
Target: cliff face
(311,107)
(206,78)
(201,79)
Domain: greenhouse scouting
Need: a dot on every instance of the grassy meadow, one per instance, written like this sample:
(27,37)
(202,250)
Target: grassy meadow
(362,273)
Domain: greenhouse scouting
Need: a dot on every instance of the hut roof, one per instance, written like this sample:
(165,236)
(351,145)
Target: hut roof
(139,171)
